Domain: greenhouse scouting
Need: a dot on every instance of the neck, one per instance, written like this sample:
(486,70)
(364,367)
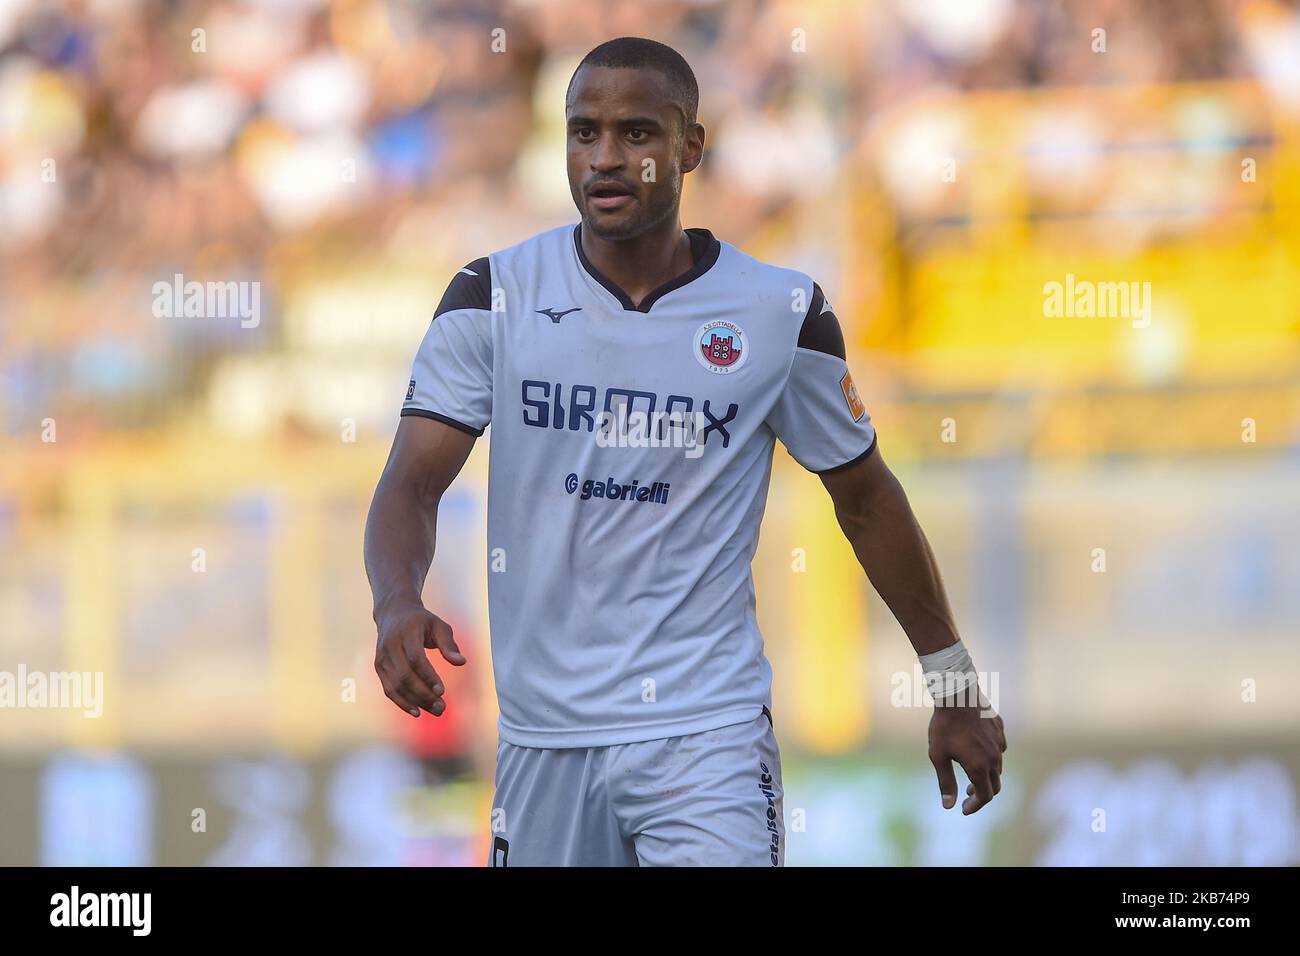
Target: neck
(641,264)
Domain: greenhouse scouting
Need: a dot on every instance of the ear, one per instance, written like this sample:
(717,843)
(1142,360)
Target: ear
(692,147)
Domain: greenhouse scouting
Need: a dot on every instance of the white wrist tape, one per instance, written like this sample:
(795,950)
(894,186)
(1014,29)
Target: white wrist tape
(949,671)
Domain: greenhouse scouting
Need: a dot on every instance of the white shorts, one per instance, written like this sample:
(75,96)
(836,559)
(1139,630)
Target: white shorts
(707,799)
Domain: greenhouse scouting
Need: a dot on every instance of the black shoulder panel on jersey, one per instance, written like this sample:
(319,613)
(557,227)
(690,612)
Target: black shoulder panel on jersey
(820,331)
(470,288)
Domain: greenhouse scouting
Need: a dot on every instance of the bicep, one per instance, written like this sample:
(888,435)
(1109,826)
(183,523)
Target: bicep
(427,455)
(860,487)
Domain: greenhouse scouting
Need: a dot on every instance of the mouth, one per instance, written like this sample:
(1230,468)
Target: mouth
(609,196)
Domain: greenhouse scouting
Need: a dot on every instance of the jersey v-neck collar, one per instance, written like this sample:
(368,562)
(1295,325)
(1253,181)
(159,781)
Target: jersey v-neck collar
(704,248)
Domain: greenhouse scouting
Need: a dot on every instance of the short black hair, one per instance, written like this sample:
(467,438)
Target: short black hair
(637,53)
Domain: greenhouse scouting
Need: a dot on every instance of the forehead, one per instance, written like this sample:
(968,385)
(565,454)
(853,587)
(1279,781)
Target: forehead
(607,91)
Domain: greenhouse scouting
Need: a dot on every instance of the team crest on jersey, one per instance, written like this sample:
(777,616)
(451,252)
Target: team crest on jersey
(721,347)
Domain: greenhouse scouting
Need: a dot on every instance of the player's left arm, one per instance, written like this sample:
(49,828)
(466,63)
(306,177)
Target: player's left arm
(823,422)
(876,517)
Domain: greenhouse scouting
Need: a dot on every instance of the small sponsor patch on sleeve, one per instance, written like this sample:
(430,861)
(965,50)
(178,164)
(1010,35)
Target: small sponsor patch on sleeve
(410,390)
(856,408)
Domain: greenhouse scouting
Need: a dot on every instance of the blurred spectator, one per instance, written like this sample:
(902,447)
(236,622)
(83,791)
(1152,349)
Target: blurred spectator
(227,139)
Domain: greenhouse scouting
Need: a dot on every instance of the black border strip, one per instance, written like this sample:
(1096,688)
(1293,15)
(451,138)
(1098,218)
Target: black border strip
(1091,898)
(425,413)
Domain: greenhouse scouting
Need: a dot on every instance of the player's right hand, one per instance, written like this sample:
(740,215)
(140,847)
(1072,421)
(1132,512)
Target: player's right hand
(403,667)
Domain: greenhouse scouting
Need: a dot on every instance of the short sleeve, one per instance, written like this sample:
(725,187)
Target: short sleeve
(819,416)
(451,380)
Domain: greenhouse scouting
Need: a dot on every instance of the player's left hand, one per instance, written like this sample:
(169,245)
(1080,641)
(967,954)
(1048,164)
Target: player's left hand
(974,737)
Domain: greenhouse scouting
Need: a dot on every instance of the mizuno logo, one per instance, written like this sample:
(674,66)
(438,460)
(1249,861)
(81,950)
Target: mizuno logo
(556,316)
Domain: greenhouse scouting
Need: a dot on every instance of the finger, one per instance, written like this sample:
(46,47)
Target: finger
(393,675)
(397,698)
(398,675)
(983,791)
(416,689)
(947,780)
(440,636)
(418,661)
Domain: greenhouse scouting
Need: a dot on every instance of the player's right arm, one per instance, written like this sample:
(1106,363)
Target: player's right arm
(400,533)
(448,405)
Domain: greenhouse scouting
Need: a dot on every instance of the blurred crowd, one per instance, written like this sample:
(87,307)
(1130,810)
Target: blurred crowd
(247,139)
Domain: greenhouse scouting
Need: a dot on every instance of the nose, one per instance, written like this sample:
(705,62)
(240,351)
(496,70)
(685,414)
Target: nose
(606,155)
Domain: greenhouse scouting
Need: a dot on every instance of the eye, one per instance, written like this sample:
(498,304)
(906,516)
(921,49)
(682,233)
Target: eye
(637,135)
(584,133)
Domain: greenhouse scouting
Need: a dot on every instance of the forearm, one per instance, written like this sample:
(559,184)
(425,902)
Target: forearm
(399,544)
(897,559)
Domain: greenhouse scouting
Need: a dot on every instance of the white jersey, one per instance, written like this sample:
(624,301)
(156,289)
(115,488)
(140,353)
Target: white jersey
(621,602)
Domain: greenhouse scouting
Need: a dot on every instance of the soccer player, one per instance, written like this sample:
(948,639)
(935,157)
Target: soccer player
(636,377)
